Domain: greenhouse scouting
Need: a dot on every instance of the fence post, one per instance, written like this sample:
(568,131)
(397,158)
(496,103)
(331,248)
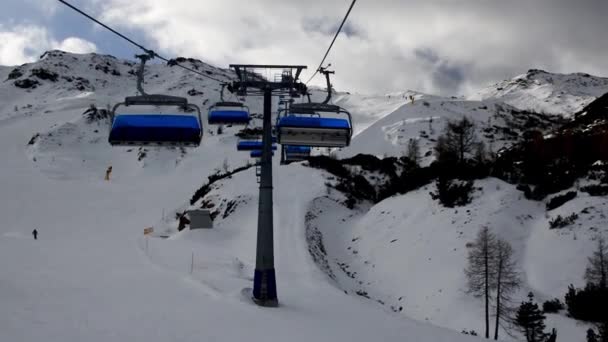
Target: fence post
(192,264)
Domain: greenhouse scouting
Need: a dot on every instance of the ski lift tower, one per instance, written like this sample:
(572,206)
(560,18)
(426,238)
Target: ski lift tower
(266,81)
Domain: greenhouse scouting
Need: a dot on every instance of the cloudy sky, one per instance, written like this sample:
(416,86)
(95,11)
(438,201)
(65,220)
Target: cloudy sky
(447,47)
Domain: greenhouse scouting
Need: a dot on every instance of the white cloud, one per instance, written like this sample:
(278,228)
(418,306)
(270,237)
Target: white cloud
(76,45)
(23,44)
(48,7)
(18,46)
(436,46)
(473,42)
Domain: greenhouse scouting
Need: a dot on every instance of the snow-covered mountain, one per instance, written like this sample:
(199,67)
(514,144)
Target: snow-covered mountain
(380,271)
(544,92)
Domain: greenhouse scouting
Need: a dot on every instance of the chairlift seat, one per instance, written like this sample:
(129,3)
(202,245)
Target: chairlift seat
(304,111)
(295,149)
(249,145)
(257,154)
(313,122)
(155,129)
(228,104)
(226,113)
(315,107)
(226,117)
(314,131)
(295,153)
(156,100)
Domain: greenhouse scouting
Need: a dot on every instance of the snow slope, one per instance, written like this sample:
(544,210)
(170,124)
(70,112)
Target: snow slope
(93,276)
(408,252)
(422,120)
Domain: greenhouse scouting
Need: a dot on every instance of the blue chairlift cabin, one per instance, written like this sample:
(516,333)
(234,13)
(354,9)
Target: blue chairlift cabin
(252,145)
(324,130)
(292,153)
(228,113)
(300,128)
(143,129)
(257,154)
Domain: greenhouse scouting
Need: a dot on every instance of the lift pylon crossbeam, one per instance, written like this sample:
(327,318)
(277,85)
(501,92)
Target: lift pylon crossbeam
(253,82)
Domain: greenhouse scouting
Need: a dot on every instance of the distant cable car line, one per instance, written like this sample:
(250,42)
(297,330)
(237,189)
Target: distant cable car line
(147,51)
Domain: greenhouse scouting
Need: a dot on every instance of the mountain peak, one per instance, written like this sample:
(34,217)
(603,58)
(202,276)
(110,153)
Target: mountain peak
(546,92)
(536,71)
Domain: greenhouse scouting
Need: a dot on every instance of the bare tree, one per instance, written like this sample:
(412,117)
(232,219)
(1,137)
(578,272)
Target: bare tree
(480,271)
(457,141)
(507,282)
(413,151)
(597,271)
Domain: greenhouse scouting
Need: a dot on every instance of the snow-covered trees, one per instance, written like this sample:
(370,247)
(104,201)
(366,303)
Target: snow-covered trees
(603,332)
(589,304)
(600,336)
(453,192)
(592,336)
(491,274)
(597,270)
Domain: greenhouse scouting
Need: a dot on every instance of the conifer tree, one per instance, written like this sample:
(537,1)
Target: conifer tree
(552,336)
(592,336)
(603,332)
(531,321)
(600,336)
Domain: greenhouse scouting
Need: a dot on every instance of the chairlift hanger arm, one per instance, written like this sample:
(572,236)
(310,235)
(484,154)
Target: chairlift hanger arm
(222,92)
(327,73)
(140,72)
(298,72)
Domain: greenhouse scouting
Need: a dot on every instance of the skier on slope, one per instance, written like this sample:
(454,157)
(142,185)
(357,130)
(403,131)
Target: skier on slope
(35,233)
(108,173)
